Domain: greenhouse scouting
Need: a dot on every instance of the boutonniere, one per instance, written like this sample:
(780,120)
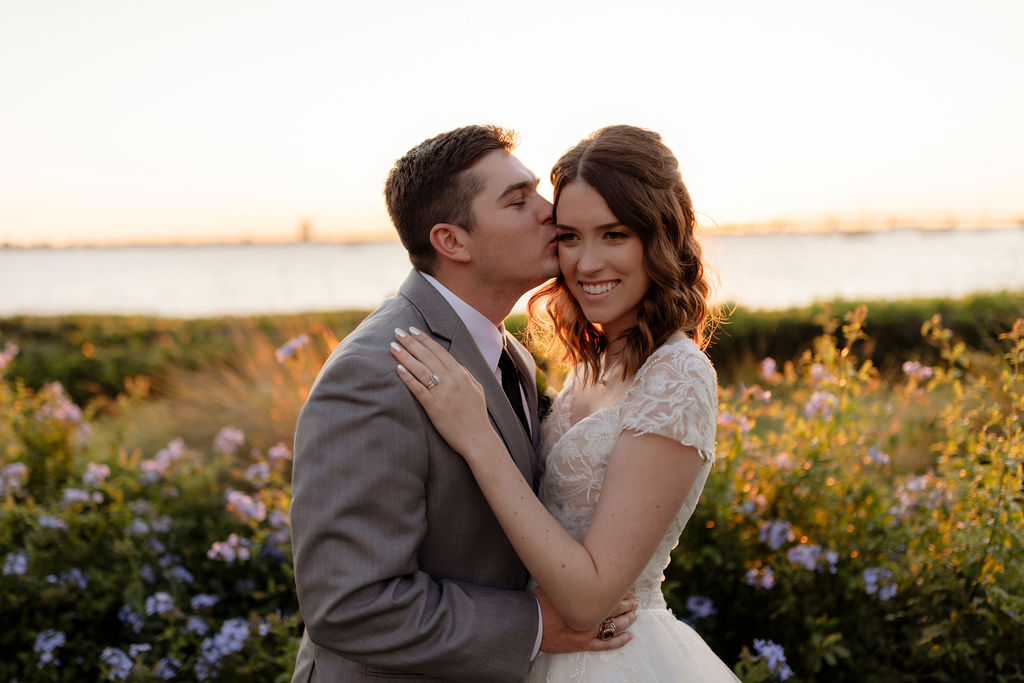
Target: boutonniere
(545,394)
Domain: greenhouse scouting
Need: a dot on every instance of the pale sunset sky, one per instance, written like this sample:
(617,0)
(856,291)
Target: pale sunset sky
(143,121)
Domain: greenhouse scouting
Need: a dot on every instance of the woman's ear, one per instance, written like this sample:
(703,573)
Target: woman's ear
(449,241)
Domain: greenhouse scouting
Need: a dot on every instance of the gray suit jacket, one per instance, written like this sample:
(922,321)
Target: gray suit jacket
(402,570)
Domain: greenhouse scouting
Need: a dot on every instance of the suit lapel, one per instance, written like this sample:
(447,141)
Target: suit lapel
(447,327)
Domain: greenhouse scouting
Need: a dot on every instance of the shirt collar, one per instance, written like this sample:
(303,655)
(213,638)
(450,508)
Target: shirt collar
(489,339)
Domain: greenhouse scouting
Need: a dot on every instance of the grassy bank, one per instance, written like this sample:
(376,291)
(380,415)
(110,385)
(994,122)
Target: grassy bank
(92,356)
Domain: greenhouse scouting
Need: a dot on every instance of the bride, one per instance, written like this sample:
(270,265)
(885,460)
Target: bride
(630,440)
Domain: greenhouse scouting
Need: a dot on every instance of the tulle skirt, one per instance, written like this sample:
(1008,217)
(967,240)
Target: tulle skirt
(663,650)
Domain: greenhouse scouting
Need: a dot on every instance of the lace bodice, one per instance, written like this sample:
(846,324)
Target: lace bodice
(674,394)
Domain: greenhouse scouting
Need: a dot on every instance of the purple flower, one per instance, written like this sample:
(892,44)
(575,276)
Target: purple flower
(73,576)
(167,668)
(73,496)
(137,649)
(46,642)
(774,657)
(120,664)
(279,452)
(805,556)
(700,606)
(258,473)
(8,353)
(729,420)
(130,618)
(204,600)
(821,403)
(878,457)
(245,507)
(16,563)
(196,625)
(775,533)
(159,603)
(179,573)
(228,440)
(57,405)
(156,469)
(876,580)
(288,349)
(48,522)
(769,368)
(95,474)
(231,550)
(915,370)
(761,578)
(820,373)
(12,478)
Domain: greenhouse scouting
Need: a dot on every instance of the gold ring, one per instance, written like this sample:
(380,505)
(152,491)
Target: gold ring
(434,381)
(607,630)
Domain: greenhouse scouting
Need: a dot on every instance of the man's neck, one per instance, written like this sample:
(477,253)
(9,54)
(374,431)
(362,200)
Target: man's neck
(493,305)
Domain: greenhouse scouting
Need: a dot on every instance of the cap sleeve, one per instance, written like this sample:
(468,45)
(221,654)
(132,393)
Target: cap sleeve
(675,395)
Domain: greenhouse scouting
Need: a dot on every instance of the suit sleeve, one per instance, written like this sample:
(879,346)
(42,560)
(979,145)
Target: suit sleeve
(358,516)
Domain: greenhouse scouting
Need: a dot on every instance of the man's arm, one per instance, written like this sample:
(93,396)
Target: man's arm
(358,518)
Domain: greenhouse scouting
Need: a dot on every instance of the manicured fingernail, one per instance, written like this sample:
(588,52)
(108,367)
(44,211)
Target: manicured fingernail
(401,368)
(395,346)
(399,332)
(413,330)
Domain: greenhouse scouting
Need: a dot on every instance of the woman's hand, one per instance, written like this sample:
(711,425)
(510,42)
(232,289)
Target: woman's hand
(449,394)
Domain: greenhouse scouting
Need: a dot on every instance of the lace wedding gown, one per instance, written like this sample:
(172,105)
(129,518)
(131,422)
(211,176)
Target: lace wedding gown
(674,394)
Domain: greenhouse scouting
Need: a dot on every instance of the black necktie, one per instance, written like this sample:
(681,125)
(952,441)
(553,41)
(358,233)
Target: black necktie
(510,383)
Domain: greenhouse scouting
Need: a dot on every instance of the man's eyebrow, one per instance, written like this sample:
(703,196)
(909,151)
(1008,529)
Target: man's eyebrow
(521,185)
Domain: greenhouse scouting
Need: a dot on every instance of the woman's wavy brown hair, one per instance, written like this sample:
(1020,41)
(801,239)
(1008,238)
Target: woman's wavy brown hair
(639,178)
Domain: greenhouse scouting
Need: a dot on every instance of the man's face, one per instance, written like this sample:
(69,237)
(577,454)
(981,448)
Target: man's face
(513,240)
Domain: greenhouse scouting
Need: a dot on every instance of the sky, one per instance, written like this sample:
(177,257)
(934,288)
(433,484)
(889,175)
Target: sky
(198,120)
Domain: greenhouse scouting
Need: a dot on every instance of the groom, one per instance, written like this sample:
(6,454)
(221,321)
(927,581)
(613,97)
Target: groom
(402,570)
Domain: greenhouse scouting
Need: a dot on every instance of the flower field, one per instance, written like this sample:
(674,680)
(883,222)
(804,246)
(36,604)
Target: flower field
(856,526)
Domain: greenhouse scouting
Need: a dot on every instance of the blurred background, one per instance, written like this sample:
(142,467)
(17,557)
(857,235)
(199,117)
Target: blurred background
(869,150)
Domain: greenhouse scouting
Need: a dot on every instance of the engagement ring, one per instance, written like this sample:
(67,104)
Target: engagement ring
(607,630)
(434,380)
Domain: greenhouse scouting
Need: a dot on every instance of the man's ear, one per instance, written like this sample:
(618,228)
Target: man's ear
(449,241)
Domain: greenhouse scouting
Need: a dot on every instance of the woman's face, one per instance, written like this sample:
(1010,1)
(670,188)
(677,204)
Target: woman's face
(601,259)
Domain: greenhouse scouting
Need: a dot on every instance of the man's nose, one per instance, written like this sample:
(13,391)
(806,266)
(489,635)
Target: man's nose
(546,212)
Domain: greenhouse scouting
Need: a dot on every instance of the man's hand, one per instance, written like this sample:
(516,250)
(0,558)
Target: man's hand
(558,637)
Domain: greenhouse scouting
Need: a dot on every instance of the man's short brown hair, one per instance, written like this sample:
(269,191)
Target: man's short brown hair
(431,184)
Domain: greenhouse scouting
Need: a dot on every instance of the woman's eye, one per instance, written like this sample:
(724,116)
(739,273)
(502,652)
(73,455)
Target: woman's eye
(565,237)
(612,235)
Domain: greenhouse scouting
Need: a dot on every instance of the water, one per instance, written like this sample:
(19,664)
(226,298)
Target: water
(759,271)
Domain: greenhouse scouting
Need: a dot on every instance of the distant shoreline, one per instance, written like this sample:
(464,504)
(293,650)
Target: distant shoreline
(761,229)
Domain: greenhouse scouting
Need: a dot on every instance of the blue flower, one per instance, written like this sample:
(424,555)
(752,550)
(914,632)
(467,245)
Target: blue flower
(761,578)
(159,603)
(48,522)
(876,580)
(130,618)
(179,573)
(204,600)
(136,649)
(288,349)
(700,606)
(775,533)
(196,625)
(167,668)
(120,663)
(46,642)
(774,657)
(16,563)
(805,556)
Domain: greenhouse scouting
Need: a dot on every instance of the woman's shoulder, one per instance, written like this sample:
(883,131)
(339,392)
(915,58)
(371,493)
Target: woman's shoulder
(679,354)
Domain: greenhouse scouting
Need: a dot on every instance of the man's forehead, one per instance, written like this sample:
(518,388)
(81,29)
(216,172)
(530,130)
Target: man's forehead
(498,170)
